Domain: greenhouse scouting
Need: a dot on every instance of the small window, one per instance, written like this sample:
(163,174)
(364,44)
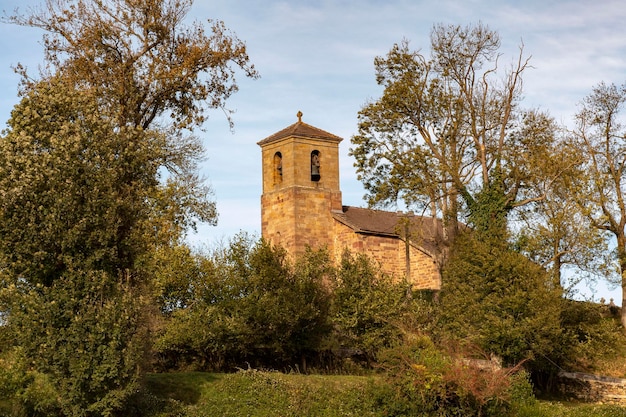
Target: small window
(278,168)
(315,166)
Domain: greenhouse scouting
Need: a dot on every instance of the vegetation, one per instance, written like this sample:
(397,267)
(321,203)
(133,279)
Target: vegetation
(252,308)
(256,308)
(449,136)
(599,137)
(448,130)
(256,393)
(93,180)
(498,300)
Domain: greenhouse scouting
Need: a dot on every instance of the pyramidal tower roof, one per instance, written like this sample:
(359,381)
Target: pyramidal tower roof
(300,130)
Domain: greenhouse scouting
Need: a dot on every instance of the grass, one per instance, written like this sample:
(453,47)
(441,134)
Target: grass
(256,394)
(261,394)
(554,409)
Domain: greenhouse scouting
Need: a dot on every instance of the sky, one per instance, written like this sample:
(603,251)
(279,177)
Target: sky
(318,57)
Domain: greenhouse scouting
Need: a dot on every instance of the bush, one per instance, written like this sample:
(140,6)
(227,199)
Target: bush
(369,308)
(497,299)
(593,339)
(78,346)
(426,381)
(248,305)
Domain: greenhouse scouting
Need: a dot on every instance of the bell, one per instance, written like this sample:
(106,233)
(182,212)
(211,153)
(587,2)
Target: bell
(315,166)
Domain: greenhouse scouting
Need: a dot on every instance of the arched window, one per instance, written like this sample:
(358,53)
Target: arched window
(278,168)
(315,166)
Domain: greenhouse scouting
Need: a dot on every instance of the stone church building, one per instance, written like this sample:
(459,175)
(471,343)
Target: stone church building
(301,206)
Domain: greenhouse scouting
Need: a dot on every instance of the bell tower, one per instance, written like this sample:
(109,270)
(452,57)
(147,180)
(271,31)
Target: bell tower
(300,186)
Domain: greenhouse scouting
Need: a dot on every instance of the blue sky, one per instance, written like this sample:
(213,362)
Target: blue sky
(317,57)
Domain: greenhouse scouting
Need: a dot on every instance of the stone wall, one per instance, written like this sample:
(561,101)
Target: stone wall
(390,253)
(592,388)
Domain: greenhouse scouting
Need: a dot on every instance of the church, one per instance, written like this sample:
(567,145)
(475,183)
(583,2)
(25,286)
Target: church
(301,207)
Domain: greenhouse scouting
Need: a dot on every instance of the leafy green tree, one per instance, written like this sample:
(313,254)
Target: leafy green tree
(370,309)
(497,299)
(73,190)
(442,137)
(556,235)
(75,200)
(600,137)
(96,175)
(248,303)
(552,230)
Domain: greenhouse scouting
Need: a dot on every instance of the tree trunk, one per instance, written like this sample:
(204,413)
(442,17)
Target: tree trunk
(623,310)
(621,253)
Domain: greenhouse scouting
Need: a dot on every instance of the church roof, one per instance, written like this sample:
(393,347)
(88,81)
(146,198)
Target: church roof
(300,129)
(423,230)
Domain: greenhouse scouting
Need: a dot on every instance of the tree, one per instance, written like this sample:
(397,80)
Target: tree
(442,136)
(555,234)
(73,190)
(93,180)
(252,306)
(141,57)
(600,134)
(72,233)
(497,299)
(552,231)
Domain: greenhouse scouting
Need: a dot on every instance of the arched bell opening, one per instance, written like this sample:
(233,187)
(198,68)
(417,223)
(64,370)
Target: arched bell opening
(315,166)
(278,168)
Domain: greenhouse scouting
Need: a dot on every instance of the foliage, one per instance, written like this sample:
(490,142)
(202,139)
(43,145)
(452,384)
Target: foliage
(498,300)
(369,307)
(600,195)
(255,306)
(252,305)
(592,339)
(72,220)
(93,181)
(448,129)
(427,381)
(78,345)
(141,57)
(73,190)
(554,232)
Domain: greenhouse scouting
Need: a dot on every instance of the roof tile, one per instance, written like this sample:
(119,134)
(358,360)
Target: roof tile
(300,129)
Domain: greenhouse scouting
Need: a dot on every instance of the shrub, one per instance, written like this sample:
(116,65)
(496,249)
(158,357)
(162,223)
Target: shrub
(78,346)
(592,339)
(497,299)
(426,381)
(369,307)
(248,305)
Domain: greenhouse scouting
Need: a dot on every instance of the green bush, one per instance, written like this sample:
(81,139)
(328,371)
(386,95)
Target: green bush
(497,299)
(369,307)
(78,346)
(592,339)
(426,381)
(247,305)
